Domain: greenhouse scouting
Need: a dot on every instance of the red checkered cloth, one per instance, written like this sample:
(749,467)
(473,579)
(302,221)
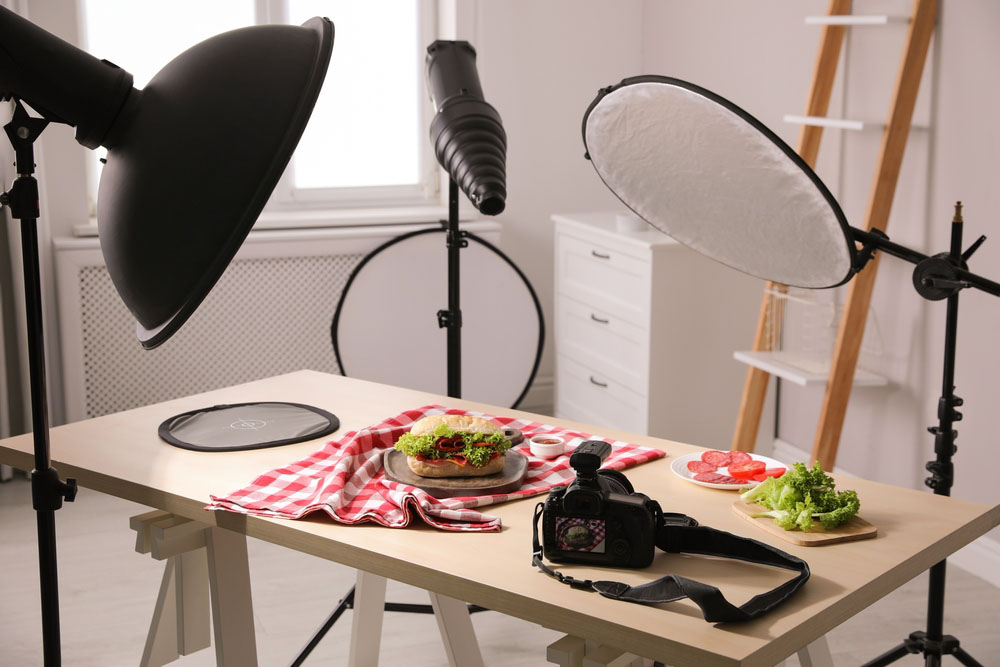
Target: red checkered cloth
(346,479)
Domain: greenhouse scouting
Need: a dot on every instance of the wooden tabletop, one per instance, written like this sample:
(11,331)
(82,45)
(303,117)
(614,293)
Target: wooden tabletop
(121,455)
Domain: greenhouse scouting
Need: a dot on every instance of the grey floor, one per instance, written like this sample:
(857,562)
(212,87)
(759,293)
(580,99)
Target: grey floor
(107,592)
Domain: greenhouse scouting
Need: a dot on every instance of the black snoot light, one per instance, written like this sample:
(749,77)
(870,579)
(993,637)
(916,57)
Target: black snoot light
(470,143)
(192,159)
(466,132)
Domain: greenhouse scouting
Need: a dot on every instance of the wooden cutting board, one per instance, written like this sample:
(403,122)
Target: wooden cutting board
(507,480)
(855,529)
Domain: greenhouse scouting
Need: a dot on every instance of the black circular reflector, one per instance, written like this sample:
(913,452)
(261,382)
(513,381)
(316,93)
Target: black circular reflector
(704,171)
(229,428)
(385,328)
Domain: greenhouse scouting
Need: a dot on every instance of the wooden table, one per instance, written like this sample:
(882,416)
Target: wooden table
(121,455)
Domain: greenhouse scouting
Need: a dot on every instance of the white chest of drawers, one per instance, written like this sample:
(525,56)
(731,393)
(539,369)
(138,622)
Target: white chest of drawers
(645,330)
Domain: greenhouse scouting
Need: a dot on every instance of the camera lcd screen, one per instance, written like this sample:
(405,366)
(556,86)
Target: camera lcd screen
(578,534)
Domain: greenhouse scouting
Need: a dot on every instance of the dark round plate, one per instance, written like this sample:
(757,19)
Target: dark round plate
(507,480)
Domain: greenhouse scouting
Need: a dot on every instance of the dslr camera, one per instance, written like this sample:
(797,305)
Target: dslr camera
(599,519)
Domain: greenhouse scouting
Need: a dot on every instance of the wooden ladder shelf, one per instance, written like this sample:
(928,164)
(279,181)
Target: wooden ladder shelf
(890,157)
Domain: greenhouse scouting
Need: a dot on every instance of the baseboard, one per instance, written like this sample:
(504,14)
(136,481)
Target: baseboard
(981,557)
(541,396)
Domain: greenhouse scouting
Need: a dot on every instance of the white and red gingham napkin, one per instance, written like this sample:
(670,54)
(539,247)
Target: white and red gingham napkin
(346,479)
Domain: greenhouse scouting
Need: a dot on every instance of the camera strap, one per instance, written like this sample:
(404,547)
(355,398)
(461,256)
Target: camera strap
(678,533)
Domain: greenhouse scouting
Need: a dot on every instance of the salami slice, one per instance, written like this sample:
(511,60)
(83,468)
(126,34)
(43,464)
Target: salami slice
(701,466)
(717,458)
(716,478)
(739,457)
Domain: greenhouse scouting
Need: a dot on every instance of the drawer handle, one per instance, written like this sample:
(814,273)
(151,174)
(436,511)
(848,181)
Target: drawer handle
(599,255)
(598,382)
(598,319)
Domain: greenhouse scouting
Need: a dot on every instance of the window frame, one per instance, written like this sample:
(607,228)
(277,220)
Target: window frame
(290,207)
(427,191)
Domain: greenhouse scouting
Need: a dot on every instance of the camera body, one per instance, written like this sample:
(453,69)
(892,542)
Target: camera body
(598,519)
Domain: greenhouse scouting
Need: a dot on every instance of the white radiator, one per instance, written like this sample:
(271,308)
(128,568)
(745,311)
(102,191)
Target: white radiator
(270,313)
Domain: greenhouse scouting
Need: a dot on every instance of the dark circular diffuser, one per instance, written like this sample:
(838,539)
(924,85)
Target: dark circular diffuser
(193,158)
(704,171)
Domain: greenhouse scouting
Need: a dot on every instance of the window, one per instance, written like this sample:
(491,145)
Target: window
(366,144)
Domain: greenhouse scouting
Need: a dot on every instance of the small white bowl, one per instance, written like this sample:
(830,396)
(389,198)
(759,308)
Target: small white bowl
(546,446)
(630,222)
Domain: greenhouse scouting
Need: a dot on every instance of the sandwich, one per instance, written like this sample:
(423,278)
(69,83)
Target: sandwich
(454,446)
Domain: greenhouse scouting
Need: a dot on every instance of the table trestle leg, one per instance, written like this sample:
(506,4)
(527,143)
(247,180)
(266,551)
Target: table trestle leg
(366,626)
(570,651)
(206,567)
(457,634)
(816,654)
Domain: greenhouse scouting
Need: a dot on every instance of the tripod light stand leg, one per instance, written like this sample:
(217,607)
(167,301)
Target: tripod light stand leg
(965,658)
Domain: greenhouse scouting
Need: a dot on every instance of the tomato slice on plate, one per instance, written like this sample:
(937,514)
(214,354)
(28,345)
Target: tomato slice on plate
(770,472)
(747,470)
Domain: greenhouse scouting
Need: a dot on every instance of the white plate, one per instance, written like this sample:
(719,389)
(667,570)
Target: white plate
(679,466)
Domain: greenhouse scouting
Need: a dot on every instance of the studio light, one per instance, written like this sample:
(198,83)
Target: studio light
(470,143)
(699,168)
(192,158)
(468,137)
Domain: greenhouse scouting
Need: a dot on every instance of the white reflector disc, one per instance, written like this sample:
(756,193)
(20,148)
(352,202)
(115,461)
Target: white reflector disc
(705,172)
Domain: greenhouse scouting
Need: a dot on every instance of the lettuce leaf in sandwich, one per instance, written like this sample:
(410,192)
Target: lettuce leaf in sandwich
(478,447)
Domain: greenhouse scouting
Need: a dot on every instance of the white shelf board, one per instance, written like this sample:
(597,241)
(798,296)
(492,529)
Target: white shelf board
(823,121)
(803,370)
(856,19)
(842,123)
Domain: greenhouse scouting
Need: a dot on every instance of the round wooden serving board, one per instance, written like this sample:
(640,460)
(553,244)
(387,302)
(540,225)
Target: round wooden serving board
(507,480)
(855,529)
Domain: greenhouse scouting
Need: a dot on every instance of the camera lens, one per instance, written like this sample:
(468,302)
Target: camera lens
(617,481)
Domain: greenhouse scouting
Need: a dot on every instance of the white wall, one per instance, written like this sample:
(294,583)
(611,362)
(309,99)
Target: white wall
(541,64)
